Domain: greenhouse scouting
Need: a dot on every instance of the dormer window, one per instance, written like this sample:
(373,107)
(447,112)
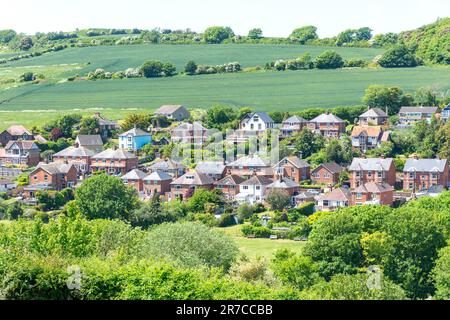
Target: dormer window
(256,118)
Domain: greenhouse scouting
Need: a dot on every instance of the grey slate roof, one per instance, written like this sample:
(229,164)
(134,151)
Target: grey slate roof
(419,109)
(75,152)
(210,167)
(54,168)
(136,132)
(327,118)
(134,174)
(425,165)
(114,154)
(257,180)
(167,164)
(295,161)
(230,180)
(262,115)
(370,164)
(294,119)
(90,140)
(374,112)
(196,126)
(194,178)
(168,109)
(332,167)
(158,176)
(373,188)
(249,161)
(283,183)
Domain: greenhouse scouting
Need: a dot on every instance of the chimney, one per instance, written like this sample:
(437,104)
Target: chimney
(97,114)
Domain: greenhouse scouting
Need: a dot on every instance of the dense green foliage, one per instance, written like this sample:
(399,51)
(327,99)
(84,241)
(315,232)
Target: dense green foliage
(399,57)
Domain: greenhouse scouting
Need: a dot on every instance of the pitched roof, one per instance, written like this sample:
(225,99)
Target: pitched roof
(327,118)
(419,109)
(18,130)
(373,188)
(134,174)
(283,183)
(257,180)
(136,132)
(373,113)
(295,161)
(371,164)
(262,115)
(167,164)
(158,176)
(23,145)
(294,119)
(338,194)
(103,121)
(75,152)
(332,167)
(90,140)
(196,126)
(114,154)
(168,109)
(386,136)
(210,167)
(54,167)
(40,139)
(194,178)
(371,131)
(249,161)
(425,165)
(230,180)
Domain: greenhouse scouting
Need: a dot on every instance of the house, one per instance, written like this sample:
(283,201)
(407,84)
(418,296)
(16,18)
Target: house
(80,157)
(7,185)
(303,197)
(376,170)
(174,112)
(15,133)
(184,187)
(335,199)
(326,174)
(373,117)
(328,125)
(367,138)
(92,142)
(107,127)
(249,166)
(114,162)
(161,142)
(253,190)
(410,115)
(229,185)
(157,182)
(445,113)
(213,169)
(257,122)
(173,168)
(134,139)
(51,176)
(134,179)
(422,174)
(18,152)
(292,125)
(373,194)
(287,185)
(294,168)
(190,133)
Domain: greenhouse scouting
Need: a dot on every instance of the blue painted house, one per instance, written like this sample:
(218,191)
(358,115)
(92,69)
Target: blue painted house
(134,139)
(445,114)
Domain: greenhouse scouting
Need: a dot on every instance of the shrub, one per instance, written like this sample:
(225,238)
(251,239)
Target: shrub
(329,60)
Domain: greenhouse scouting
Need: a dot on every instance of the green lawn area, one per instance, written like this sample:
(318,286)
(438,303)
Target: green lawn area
(260,247)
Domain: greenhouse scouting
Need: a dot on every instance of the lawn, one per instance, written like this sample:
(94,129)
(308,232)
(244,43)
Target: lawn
(260,247)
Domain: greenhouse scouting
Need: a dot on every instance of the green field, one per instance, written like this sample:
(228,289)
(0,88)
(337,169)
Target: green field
(33,104)
(264,248)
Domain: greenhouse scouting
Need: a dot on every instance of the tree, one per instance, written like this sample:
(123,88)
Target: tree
(398,57)
(190,68)
(217,34)
(168,69)
(138,120)
(206,201)
(255,34)
(329,60)
(304,34)
(219,116)
(105,197)
(308,143)
(26,43)
(152,213)
(278,199)
(382,96)
(7,35)
(425,97)
(89,125)
(441,275)
(353,35)
(152,69)
(28,76)
(14,211)
(191,245)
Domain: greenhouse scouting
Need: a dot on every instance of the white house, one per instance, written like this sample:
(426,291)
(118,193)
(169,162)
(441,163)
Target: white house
(6,185)
(253,190)
(256,122)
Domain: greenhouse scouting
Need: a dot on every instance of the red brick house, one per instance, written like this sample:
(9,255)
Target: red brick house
(22,153)
(373,193)
(114,162)
(422,174)
(375,170)
(367,138)
(51,176)
(184,187)
(134,179)
(248,166)
(326,174)
(335,199)
(80,157)
(292,125)
(15,133)
(157,182)
(328,125)
(229,185)
(294,168)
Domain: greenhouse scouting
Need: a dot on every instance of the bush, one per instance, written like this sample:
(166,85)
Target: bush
(399,57)
(329,60)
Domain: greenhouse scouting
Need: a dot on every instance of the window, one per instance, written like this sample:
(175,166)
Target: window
(411,186)
(359,195)
(411,175)
(434,175)
(380,174)
(358,174)
(258,187)
(46,177)
(245,187)
(369,174)
(325,203)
